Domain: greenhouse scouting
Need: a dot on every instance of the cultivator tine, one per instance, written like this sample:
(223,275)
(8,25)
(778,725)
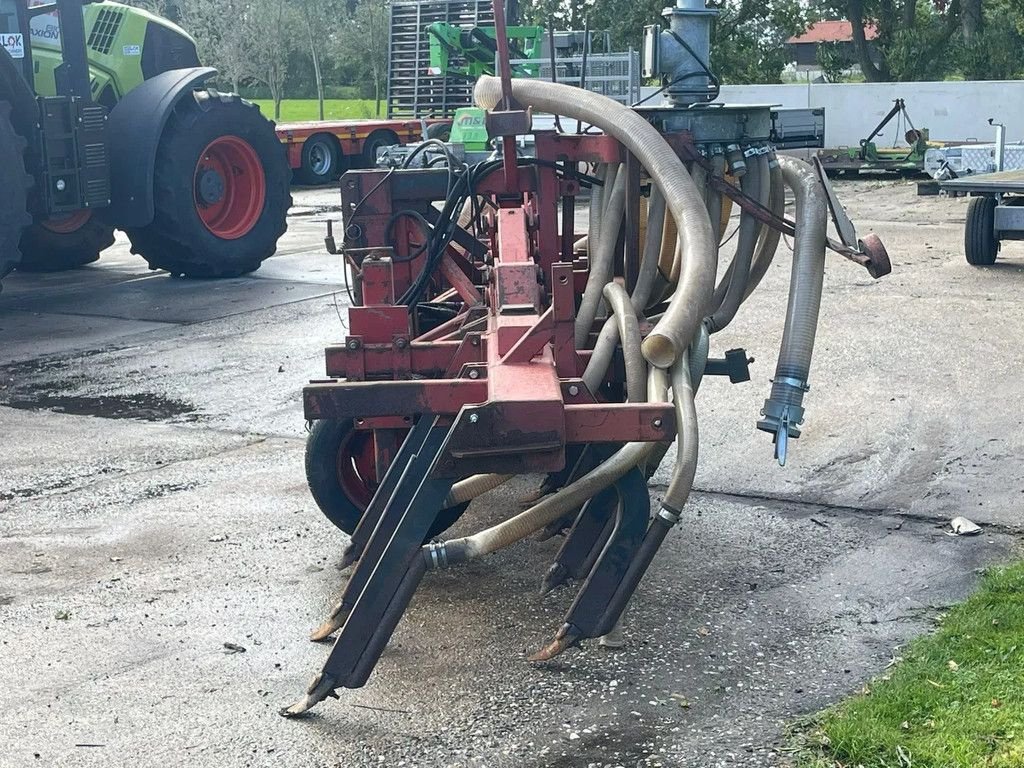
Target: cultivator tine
(391,498)
(600,602)
(368,522)
(583,545)
(386,576)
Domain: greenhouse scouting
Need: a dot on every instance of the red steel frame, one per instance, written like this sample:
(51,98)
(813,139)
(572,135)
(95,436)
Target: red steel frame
(505,370)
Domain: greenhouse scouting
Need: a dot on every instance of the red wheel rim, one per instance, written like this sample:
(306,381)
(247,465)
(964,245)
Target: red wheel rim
(357,467)
(229,187)
(65,225)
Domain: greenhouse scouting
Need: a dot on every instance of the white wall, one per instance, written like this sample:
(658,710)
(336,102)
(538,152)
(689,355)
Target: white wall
(950,110)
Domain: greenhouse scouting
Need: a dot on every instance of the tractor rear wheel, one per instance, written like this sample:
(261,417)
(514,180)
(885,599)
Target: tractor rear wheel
(342,477)
(14,184)
(64,242)
(222,190)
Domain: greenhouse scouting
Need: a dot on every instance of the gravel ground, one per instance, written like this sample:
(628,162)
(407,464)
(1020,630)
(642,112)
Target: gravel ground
(153,508)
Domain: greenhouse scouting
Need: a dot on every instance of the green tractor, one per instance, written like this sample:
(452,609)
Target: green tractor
(107,122)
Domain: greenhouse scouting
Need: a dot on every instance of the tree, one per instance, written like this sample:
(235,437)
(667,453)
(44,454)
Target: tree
(317,16)
(362,42)
(272,25)
(225,37)
(747,37)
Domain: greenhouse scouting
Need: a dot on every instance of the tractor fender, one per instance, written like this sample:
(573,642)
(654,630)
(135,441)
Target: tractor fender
(134,128)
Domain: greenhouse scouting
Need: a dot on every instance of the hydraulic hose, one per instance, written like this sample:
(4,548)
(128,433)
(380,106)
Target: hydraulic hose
(602,261)
(689,302)
(783,410)
(552,507)
(734,283)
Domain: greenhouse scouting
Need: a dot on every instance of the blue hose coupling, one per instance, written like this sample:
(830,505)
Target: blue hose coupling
(782,420)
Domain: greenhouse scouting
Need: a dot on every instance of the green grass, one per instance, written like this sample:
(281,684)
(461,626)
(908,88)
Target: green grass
(955,700)
(297,110)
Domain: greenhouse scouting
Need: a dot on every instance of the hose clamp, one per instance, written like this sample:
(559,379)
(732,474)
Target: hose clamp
(790,381)
(670,516)
(438,552)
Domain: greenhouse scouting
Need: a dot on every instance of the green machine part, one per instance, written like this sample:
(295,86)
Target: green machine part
(469,128)
(474,49)
(126,46)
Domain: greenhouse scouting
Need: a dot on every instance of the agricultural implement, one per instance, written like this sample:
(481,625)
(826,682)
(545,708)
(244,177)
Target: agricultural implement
(491,338)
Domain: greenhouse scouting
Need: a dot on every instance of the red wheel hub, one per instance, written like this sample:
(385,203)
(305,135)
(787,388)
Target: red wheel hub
(65,225)
(229,187)
(357,470)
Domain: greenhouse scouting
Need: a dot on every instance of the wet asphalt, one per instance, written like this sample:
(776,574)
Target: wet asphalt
(162,562)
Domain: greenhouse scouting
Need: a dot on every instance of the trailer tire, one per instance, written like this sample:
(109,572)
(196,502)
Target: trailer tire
(374,143)
(59,244)
(222,190)
(980,244)
(439,131)
(337,473)
(14,186)
(322,160)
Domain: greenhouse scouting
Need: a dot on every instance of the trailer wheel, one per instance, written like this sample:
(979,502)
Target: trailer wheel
(439,131)
(375,142)
(222,190)
(980,244)
(322,160)
(342,477)
(64,242)
(14,185)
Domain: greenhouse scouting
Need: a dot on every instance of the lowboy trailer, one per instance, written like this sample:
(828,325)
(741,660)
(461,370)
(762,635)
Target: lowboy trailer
(320,151)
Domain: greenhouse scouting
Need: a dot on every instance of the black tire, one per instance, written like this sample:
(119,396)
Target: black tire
(439,131)
(322,160)
(178,239)
(375,142)
(44,250)
(326,440)
(980,244)
(14,186)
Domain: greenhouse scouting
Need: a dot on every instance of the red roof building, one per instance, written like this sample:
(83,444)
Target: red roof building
(831,32)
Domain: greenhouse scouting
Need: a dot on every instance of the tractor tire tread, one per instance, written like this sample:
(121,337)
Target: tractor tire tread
(176,240)
(14,186)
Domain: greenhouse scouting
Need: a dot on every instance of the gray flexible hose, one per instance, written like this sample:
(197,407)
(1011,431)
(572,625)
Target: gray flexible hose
(552,507)
(770,242)
(602,263)
(624,316)
(714,197)
(608,339)
(735,281)
(689,302)
(783,410)
(687,437)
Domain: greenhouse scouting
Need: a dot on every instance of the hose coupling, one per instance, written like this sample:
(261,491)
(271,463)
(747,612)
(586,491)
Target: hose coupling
(782,421)
(436,555)
(737,163)
(669,515)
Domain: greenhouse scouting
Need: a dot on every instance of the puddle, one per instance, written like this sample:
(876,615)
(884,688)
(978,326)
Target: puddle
(144,406)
